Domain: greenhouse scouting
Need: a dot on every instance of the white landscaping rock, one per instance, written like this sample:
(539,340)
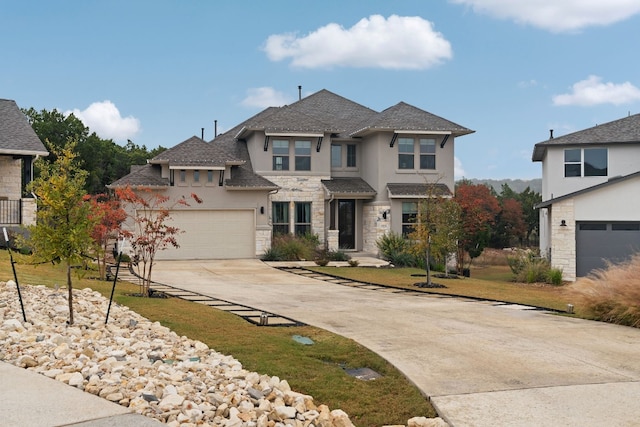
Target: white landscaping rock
(146,366)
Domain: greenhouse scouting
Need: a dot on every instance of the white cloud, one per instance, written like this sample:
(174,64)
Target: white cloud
(458,170)
(593,91)
(527,83)
(263,97)
(105,120)
(375,42)
(557,15)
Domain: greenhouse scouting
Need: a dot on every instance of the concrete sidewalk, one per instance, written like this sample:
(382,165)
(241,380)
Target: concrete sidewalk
(480,363)
(30,399)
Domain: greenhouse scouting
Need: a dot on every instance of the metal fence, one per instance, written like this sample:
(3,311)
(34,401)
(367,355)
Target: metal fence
(10,211)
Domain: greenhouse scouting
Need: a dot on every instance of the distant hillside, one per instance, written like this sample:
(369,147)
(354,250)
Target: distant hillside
(517,185)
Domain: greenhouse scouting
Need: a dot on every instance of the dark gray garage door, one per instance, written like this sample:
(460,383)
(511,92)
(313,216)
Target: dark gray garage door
(598,242)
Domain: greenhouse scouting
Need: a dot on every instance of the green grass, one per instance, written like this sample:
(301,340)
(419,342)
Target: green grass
(485,282)
(316,370)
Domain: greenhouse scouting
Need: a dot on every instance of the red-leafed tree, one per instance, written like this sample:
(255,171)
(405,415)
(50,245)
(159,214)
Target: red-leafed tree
(109,216)
(510,227)
(478,214)
(150,213)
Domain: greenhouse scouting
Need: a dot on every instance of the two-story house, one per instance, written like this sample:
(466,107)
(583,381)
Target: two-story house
(590,210)
(323,165)
(19,147)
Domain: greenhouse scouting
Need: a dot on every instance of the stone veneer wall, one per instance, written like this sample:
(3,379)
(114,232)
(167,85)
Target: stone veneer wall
(29,208)
(333,240)
(374,226)
(10,178)
(563,239)
(263,240)
(302,189)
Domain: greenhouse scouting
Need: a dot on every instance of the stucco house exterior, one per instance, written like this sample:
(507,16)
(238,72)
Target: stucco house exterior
(19,147)
(590,210)
(324,165)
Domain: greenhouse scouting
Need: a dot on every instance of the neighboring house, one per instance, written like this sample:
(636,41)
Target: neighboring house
(19,147)
(590,210)
(323,165)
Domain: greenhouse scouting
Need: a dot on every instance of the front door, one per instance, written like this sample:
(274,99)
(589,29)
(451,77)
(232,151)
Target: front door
(347,224)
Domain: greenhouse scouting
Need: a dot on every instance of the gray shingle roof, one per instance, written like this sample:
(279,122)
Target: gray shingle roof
(621,131)
(196,152)
(400,190)
(348,187)
(16,134)
(403,116)
(142,176)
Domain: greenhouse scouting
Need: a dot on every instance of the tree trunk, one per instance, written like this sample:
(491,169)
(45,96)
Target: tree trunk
(70,292)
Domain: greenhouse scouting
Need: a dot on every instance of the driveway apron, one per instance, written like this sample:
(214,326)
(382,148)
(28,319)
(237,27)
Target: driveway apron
(480,364)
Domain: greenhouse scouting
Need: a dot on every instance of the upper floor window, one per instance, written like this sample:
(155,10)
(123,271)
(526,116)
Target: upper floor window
(351,155)
(196,176)
(303,155)
(280,155)
(337,161)
(209,176)
(427,153)
(405,153)
(183,175)
(585,162)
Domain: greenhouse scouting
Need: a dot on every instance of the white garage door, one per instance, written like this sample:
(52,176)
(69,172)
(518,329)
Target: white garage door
(213,235)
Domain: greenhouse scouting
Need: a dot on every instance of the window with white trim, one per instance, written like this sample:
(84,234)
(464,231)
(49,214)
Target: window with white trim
(280,155)
(427,153)
(585,162)
(405,153)
(303,155)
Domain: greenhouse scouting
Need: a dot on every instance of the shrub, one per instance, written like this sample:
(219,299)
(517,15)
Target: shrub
(287,247)
(611,294)
(353,263)
(528,267)
(390,245)
(555,276)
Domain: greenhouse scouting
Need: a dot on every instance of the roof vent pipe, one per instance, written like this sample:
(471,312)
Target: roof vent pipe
(202,133)
(215,128)
(550,133)
(299,92)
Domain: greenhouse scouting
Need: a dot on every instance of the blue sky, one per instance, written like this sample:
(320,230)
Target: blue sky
(157,71)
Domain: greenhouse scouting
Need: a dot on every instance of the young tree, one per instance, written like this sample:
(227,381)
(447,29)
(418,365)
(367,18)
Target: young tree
(108,216)
(436,230)
(478,210)
(64,222)
(150,214)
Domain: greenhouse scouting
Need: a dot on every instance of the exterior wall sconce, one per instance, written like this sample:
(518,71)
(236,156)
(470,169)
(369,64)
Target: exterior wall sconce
(262,210)
(563,223)
(384,214)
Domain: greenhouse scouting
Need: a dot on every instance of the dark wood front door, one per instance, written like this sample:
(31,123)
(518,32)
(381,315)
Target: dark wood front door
(347,224)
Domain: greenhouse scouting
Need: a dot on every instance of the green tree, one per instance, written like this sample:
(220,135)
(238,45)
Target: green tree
(104,160)
(64,221)
(437,229)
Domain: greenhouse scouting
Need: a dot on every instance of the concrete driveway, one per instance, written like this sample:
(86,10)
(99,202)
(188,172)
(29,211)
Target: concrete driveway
(481,364)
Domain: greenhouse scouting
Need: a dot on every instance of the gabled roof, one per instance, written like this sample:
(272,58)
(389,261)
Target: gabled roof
(348,187)
(403,116)
(611,181)
(195,152)
(286,120)
(142,176)
(621,131)
(408,190)
(17,137)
